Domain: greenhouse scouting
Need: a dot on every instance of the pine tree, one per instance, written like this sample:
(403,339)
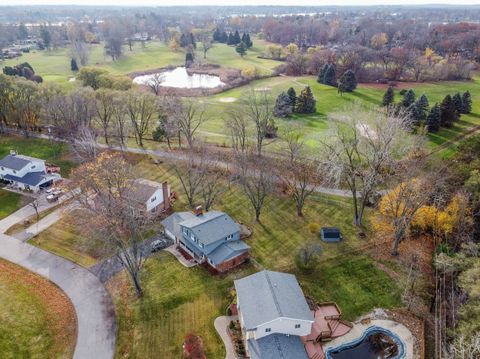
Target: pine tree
(421,108)
(241,49)
(388,97)
(236,38)
(457,103)
(230,40)
(244,38)
(330,77)
(73,65)
(466,102)
(224,38)
(321,75)
(433,119)
(248,42)
(217,35)
(408,98)
(306,102)
(283,105)
(347,82)
(416,113)
(192,41)
(292,94)
(448,112)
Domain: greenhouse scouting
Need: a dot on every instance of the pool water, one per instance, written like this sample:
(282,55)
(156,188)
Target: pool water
(375,343)
(180,78)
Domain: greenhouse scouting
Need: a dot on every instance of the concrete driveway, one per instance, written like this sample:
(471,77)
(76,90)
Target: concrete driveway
(92,303)
(221,324)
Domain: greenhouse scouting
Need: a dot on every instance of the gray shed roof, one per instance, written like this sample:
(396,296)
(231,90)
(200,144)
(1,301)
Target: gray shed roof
(277,346)
(267,295)
(142,189)
(14,162)
(228,251)
(211,226)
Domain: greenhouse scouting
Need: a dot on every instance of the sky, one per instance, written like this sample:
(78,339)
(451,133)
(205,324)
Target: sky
(235,2)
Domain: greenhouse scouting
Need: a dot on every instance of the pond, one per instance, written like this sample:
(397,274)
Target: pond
(180,78)
(375,343)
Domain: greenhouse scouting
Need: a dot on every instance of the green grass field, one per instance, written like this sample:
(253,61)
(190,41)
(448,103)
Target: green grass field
(10,202)
(36,319)
(53,152)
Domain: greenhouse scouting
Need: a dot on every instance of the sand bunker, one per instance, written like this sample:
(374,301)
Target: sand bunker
(262,89)
(227,99)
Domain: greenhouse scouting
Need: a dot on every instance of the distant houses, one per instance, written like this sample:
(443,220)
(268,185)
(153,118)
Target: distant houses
(27,173)
(211,238)
(150,196)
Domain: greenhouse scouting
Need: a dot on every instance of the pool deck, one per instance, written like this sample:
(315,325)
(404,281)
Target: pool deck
(358,329)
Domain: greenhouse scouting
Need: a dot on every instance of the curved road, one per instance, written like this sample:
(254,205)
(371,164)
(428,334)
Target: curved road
(93,304)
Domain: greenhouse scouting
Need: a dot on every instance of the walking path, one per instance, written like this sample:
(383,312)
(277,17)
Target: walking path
(221,324)
(93,304)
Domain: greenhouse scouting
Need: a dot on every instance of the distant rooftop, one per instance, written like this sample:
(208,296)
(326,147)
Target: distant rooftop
(17,162)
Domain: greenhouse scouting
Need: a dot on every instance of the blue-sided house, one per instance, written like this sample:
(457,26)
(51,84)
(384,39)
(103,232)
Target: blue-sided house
(211,237)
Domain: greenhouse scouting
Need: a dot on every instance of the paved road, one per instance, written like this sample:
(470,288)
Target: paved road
(221,324)
(92,302)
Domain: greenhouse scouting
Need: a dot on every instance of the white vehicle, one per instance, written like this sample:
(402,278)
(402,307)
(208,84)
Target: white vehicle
(157,245)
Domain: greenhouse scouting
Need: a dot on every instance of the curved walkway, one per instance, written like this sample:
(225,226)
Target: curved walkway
(92,303)
(221,324)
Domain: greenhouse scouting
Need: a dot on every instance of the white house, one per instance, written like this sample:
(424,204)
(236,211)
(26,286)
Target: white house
(273,315)
(26,173)
(150,195)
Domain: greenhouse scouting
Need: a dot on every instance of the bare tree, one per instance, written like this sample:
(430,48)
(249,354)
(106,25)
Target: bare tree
(189,117)
(257,107)
(237,126)
(78,47)
(141,109)
(84,143)
(256,180)
(215,180)
(363,147)
(464,348)
(114,218)
(104,110)
(307,256)
(120,118)
(34,204)
(191,174)
(155,82)
(294,138)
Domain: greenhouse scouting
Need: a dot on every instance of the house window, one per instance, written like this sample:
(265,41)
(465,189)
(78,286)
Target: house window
(153,199)
(3,169)
(32,167)
(230,236)
(268,330)
(297,326)
(14,171)
(202,245)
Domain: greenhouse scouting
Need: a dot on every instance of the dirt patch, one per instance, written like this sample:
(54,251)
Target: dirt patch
(397,85)
(62,319)
(227,99)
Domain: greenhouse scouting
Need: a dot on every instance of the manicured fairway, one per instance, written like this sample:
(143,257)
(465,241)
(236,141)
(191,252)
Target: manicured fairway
(37,320)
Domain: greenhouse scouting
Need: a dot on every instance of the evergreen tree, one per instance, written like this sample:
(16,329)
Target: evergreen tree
(347,82)
(224,38)
(236,38)
(416,113)
(283,105)
(244,38)
(321,75)
(433,119)
(457,103)
(241,49)
(248,40)
(421,109)
(448,112)
(73,65)
(423,103)
(217,35)
(192,41)
(388,97)
(330,77)
(184,41)
(408,98)
(292,94)
(231,40)
(189,59)
(466,102)
(306,102)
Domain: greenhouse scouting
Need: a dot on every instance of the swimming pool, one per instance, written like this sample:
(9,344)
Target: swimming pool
(367,346)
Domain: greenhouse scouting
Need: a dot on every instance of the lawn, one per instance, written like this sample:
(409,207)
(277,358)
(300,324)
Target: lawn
(53,152)
(65,239)
(36,319)
(10,202)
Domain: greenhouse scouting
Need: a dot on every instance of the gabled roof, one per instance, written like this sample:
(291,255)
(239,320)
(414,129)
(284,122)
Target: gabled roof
(277,346)
(142,189)
(266,296)
(211,226)
(228,251)
(172,222)
(31,178)
(16,162)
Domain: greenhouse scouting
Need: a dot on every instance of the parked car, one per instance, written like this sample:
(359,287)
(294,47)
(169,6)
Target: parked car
(52,198)
(157,245)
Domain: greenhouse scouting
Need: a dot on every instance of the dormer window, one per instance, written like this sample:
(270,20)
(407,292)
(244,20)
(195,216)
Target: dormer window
(153,199)
(268,330)
(32,167)
(297,326)
(14,171)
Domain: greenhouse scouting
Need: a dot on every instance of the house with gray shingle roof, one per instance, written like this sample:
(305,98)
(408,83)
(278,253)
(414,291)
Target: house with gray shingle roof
(212,238)
(273,314)
(151,196)
(25,172)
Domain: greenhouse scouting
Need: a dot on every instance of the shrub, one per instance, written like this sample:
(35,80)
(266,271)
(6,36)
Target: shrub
(314,227)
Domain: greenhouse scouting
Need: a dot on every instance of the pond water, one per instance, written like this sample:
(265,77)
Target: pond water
(374,344)
(180,78)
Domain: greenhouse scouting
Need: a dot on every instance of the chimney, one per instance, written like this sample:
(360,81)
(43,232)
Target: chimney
(166,196)
(198,211)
